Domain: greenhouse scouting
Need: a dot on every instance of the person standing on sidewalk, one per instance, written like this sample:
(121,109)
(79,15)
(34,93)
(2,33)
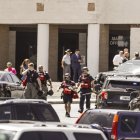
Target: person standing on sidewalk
(10,68)
(76,66)
(86,83)
(23,67)
(68,86)
(44,78)
(66,63)
(33,82)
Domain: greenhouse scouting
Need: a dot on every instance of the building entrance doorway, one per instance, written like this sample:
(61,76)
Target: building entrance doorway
(66,41)
(26,47)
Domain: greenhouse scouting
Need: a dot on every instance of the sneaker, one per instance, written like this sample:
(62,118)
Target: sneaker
(80,111)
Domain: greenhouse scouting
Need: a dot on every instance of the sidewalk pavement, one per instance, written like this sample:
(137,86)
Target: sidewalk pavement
(56,97)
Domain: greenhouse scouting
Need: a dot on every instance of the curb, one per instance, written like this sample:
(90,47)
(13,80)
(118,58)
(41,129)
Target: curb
(57,101)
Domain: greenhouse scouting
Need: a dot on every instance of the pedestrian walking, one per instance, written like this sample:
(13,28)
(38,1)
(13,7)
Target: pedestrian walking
(86,83)
(33,82)
(66,63)
(118,59)
(44,78)
(10,68)
(67,93)
(76,66)
(136,56)
(23,67)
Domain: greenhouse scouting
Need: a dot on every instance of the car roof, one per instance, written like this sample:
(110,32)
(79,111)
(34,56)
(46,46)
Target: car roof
(33,101)
(113,111)
(123,78)
(15,125)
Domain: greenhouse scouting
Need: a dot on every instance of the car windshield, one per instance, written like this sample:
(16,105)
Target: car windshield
(123,84)
(103,119)
(7,135)
(2,77)
(129,66)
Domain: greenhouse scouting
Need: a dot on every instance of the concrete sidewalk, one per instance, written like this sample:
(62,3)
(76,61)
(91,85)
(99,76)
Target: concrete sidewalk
(56,98)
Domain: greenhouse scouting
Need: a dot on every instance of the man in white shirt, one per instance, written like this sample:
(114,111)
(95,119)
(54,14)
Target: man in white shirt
(66,62)
(118,59)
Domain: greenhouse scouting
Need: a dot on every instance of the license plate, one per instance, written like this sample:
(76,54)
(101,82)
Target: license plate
(126,98)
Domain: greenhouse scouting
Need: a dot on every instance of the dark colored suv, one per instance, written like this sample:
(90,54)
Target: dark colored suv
(27,109)
(116,124)
(116,92)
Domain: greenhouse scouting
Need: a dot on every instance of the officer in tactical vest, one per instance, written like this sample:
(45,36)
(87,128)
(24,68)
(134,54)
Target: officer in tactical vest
(67,93)
(44,77)
(33,82)
(85,83)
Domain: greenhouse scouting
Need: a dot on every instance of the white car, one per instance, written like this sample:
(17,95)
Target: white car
(47,131)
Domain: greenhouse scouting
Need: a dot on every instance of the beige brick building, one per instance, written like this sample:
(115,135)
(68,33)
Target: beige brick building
(42,29)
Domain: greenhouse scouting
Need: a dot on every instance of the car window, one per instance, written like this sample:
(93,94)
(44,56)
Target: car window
(129,123)
(15,79)
(40,135)
(3,77)
(5,112)
(44,112)
(103,119)
(7,135)
(35,112)
(88,136)
(8,78)
(23,112)
(123,84)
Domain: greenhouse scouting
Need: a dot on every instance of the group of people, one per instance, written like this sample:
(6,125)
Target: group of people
(72,61)
(82,81)
(35,82)
(84,87)
(122,57)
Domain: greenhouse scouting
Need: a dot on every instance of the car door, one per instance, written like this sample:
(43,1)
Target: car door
(17,86)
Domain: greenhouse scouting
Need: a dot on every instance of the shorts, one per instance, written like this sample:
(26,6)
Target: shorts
(67,98)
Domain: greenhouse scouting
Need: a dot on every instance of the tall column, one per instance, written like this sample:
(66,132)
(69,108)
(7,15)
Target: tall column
(93,48)
(134,40)
(43,45)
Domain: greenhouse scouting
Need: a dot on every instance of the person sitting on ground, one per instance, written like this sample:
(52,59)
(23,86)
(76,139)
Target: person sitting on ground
(10,68)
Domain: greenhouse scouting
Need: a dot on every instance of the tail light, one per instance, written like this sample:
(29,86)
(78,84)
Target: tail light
(114,132)
(104,95)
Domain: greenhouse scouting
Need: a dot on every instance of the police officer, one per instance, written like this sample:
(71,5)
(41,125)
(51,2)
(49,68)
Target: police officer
(33,82)
(86,83)
(44,77)
(68,86)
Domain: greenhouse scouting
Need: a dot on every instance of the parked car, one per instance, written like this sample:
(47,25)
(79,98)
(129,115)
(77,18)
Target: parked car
(28,109)
(45,131)
(116,124)
(10,85)
(129,68)
(116,92)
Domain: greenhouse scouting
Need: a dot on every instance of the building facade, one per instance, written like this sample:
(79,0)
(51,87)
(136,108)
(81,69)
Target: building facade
(42,29)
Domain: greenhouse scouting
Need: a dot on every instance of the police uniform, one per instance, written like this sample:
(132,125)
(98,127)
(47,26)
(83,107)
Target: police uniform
(31,87)
(85,90)
(67,93)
